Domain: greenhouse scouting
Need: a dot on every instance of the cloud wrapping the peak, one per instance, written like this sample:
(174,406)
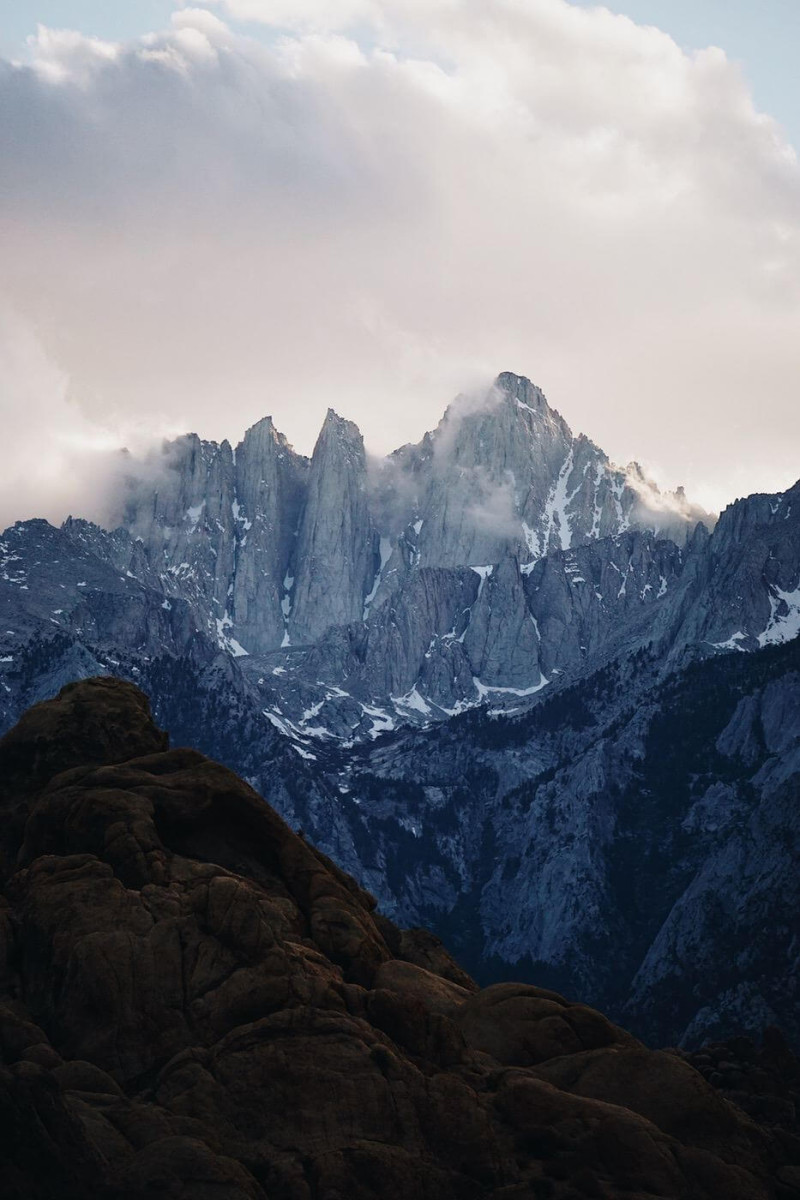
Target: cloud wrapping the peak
(57,459)
(377,204)
(54,457)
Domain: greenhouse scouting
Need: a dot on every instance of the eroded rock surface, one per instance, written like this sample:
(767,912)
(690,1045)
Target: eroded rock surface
(194,1002)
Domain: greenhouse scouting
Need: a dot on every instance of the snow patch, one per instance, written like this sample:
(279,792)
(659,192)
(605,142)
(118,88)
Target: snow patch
(385,555)
(594,532)
(278,722)
(784,619)
(555,514)
(732,643)
(286,606)
(414,701)
(304,753)
(382,722)
(193,515)
(484,573)
(623,587)
(484,690)
(312,712)
(236,509)
(225,641)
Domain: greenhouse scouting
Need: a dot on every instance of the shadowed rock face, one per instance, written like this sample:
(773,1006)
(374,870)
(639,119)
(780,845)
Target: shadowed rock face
(196,1003)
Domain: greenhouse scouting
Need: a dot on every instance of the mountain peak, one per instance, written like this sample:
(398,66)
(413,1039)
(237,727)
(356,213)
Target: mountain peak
(339,429)
(264,437)
(520,388)
(264,426)
(509,397)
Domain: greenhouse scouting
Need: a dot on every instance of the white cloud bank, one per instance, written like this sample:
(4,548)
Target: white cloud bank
(56,459)
(378,203)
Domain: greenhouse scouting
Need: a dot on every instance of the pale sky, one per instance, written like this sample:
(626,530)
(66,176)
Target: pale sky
(215,211)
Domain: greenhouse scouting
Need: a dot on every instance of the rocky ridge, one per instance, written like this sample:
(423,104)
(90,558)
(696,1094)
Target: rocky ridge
(277,553)
(195,1002)
(499,751)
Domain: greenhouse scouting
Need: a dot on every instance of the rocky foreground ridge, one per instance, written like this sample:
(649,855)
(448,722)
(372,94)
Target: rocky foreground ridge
(194,1002)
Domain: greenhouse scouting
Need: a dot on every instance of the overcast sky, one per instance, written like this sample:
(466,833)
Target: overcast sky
(210,213)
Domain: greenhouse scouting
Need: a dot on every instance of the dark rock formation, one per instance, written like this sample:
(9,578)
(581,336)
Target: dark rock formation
(763,1079)
(194,1002)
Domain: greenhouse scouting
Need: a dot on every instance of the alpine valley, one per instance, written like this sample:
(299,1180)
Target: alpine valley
(526,699)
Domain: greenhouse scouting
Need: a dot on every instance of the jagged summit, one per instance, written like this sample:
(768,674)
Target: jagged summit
(510,399)
(339,435)
(333,561)
(264,430)
(519,387)
(280,554)
(341,425)
(277,548)
(265,424)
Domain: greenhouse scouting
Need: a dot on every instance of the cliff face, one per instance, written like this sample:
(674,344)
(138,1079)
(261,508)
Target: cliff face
(273,549)
(633,838)
(337,546)
(194,1002)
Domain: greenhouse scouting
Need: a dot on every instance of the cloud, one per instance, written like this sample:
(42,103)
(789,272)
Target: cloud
(374,204)
(494,508)
(46,440)
(669,511)
(56,460)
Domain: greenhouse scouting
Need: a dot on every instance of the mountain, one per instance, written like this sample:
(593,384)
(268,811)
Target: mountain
(276,552)
(525,699)
(194,1002)
(636,843)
